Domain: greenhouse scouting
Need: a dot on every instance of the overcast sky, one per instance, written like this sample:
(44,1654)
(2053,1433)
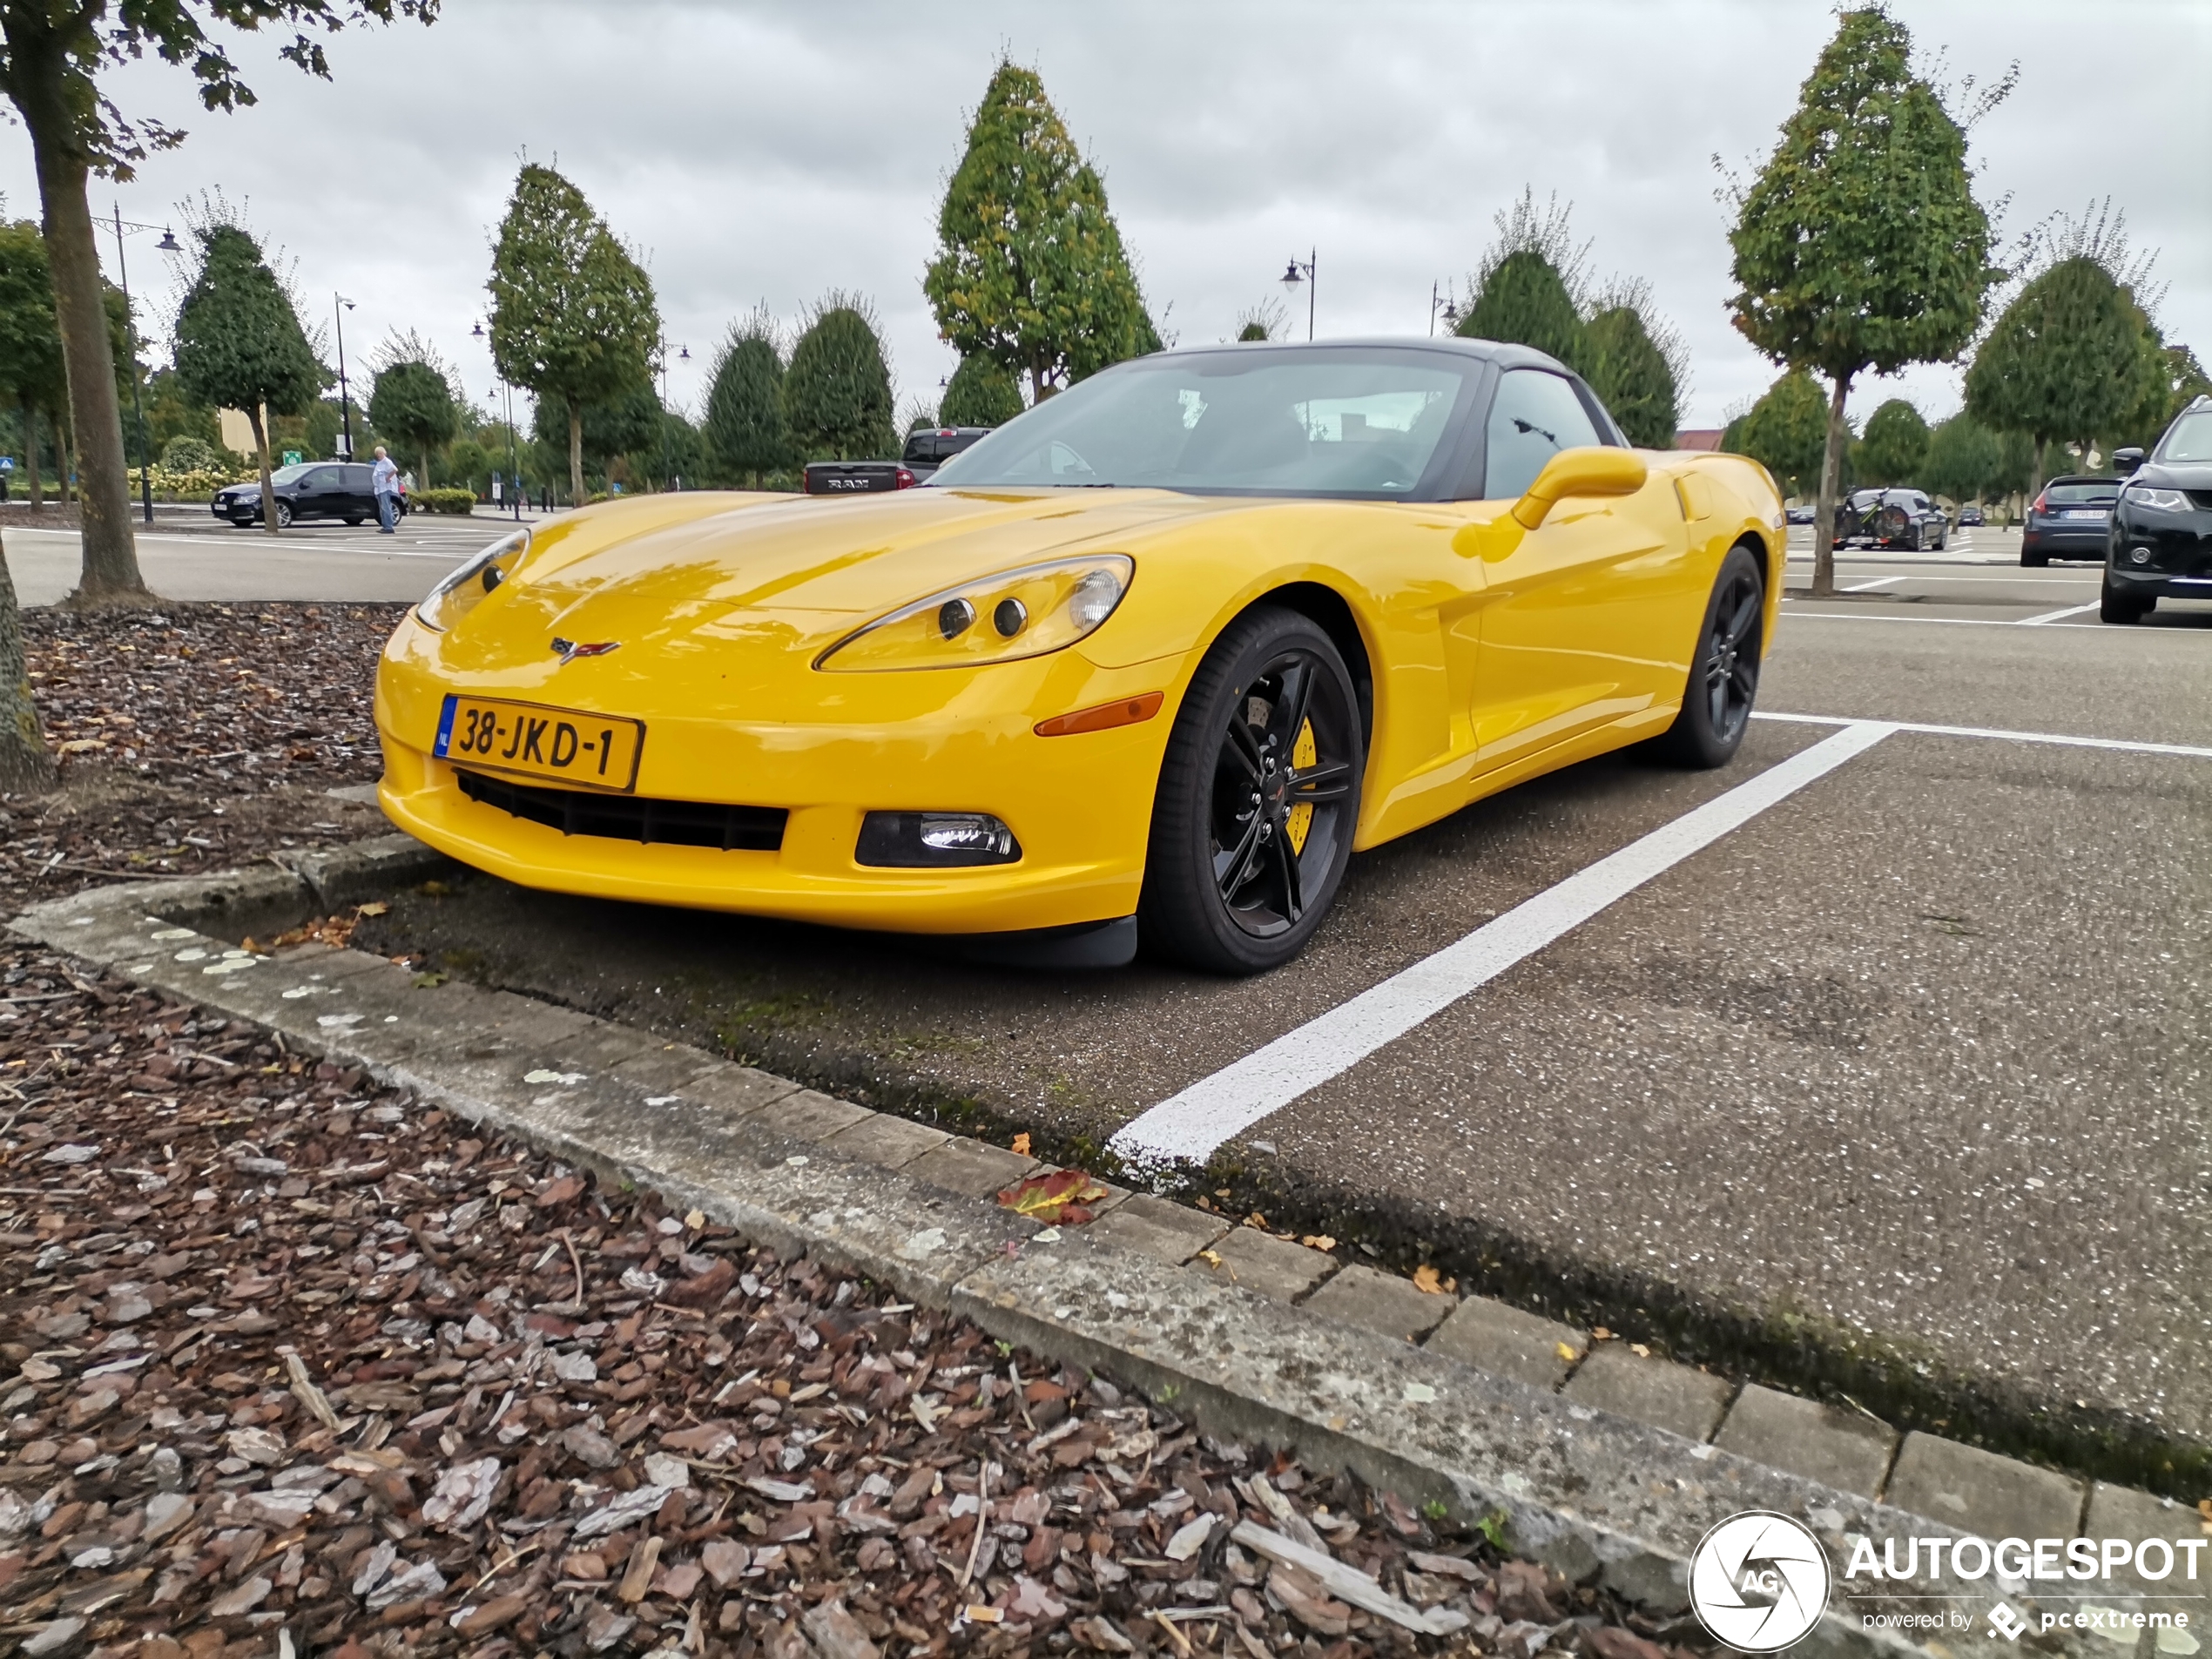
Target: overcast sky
(771,152)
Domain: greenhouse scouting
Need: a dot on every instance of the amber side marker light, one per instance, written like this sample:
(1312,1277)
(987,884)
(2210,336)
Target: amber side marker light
(1129,710)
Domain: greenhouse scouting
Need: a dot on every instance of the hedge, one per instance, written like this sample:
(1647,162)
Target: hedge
(458,501)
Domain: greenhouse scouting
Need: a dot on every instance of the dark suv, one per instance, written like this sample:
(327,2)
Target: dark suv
(2159,543)
(2069,520)
(313,489)
(1892,518)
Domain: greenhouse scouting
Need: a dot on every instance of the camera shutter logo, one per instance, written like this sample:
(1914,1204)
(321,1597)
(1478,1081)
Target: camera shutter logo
(1759,1582)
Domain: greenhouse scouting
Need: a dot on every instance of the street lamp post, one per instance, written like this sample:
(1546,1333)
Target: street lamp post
(514,449)
(1296,273)
(168,245)
(667,455)
(1440,301)
(340,306)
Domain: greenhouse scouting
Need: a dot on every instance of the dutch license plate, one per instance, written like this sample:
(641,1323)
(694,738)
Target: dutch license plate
(560,745)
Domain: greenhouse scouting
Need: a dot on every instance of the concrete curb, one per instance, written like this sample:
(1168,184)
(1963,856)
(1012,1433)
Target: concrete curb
(1611,1479)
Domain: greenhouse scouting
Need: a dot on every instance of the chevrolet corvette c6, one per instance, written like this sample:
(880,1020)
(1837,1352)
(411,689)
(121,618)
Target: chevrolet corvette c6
(1155,658)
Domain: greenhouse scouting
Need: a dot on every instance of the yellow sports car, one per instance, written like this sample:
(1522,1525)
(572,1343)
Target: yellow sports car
(1154,659)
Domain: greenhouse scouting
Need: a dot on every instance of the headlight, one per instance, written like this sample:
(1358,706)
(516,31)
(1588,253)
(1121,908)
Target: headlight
(459,593)
(2159,501)
(1001,618)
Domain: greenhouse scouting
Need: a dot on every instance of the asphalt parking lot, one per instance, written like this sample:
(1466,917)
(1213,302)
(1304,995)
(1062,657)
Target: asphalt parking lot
(188,555)
(1892,1057)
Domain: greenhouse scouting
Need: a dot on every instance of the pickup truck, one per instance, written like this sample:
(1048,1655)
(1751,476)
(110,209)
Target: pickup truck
(927,450)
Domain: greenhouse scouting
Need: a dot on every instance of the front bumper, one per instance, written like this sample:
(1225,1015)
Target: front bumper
(948,740)
(2177,554)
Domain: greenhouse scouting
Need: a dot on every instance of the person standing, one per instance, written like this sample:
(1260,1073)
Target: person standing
(386,478)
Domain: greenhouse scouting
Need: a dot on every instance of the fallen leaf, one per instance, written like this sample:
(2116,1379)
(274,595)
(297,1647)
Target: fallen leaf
(375,907)
(1427,1281)
(1567,1352)
(1640,1351)
(1600,1335)
(1318,1240)
(1022,1144)
(1061,1197)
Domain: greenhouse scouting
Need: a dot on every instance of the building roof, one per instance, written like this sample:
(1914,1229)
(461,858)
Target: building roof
(1702,437)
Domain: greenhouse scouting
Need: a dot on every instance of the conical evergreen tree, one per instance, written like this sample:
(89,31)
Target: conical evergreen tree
(980,394)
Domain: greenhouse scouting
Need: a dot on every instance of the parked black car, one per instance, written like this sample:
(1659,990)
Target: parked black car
(1800,514)
(1892,518)
(1970,518)
(2069,519)
(311,490)
(933,446)
(2158,543)
(857,477)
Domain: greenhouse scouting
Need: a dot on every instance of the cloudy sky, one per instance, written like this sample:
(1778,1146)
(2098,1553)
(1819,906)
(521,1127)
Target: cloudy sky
(767,154)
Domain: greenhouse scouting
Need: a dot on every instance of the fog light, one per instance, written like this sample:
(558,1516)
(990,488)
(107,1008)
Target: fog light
(2139,556)
(934,840)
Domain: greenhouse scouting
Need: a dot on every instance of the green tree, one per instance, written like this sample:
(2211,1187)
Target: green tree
(1895,445)
(240,345)
(744,432)
(1030,270)
(170,413)
(412,404)
(2066,360)
(1521,301)
(978,394)
(2176,379)
(1786,431)
(1632,376)
(628,425)
(53,61)
(1527,290)
(1961,459)
(1860,245)
(25,766)
(31,375)
(837,395)
(573,315)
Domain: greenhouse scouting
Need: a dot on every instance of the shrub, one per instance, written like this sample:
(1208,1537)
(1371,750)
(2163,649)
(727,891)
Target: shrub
(184,452)
(460,502)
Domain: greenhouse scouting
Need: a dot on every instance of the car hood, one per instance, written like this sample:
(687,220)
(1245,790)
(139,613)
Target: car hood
(2192,475)
(790,574)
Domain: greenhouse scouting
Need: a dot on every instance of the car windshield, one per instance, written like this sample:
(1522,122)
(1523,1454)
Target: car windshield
(2190,439)
(2098,493)
(289,474)
(1328,420)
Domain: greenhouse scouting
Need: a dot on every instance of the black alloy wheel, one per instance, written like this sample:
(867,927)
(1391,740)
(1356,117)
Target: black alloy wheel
(1724,674)
(1259,797)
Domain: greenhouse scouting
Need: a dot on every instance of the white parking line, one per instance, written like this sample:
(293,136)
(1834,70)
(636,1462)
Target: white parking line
(1189,1125)
(1933,622)
(1878,582)
(2050,617)
(2122,745)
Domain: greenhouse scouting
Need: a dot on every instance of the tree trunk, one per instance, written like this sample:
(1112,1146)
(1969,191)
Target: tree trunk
(269,526)
(66,483)
(576,454)
(2035,484)
(1832,469)
(110,568)
(25,767)
(30,455)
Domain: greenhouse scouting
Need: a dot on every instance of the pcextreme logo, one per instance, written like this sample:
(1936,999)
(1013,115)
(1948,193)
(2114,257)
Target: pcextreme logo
(1759,1582)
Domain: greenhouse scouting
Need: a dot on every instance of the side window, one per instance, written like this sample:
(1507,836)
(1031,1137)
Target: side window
(358,480)
(1535,415)
(321,478)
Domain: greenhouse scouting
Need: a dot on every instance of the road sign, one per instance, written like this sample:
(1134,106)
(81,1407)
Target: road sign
(290,457)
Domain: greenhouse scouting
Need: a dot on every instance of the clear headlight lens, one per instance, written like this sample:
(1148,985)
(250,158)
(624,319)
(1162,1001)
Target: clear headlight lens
(2159,501)
(1000,618)
(459,593)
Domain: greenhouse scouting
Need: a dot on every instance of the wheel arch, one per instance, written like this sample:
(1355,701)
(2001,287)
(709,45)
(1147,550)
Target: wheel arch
(1331,612)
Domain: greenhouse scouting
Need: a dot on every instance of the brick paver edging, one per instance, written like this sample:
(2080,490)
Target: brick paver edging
(1606,1465)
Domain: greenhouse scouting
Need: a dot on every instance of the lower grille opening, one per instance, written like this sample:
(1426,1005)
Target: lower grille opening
(631,817)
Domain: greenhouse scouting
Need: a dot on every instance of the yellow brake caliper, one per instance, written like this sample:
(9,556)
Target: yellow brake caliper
(1303,753)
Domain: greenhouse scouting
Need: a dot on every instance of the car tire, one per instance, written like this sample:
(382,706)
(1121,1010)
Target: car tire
(1723,680)
(2034,561)
(354,523)
(1235,881)
(2113,605)
(1920,539)
(284,514)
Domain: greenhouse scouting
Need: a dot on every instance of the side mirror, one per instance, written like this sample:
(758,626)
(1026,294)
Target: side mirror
(2124,461)
(1590,471)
